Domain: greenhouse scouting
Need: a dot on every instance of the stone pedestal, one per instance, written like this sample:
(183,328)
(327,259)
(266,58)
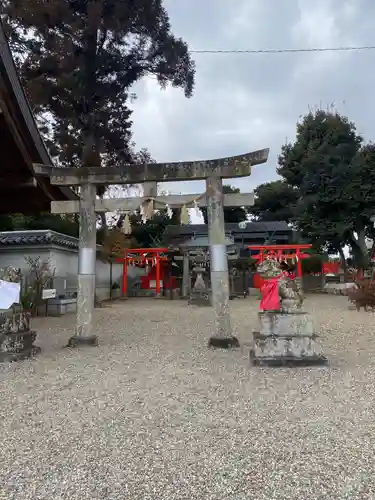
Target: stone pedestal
(17,346)
(16,338)
(286,338)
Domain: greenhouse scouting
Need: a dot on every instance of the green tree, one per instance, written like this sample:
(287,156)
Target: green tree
(231,214)
(333,174)
(274,201)
(78,60)
(61,224)
(150,234)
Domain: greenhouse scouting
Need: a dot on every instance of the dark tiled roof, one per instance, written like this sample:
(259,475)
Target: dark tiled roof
(231,228)
(255,232)
(31,238)
(27,128)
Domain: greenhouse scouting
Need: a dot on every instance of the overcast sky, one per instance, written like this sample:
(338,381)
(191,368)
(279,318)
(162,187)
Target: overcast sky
(244,102)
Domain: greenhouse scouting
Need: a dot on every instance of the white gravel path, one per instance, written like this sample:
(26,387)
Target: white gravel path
(153,414)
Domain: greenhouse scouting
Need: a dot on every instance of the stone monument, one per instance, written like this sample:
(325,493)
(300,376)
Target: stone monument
(16,337)
(287,333)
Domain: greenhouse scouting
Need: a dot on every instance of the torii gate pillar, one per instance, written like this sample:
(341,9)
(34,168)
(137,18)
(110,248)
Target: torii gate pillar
(219,265)
(86,268)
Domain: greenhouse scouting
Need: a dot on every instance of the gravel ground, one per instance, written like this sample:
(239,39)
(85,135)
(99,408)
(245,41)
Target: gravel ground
(153,414)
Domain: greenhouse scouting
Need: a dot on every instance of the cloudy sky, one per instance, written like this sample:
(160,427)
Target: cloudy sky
(244,102)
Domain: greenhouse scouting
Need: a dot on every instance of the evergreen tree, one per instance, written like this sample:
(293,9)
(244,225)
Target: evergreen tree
(78,60)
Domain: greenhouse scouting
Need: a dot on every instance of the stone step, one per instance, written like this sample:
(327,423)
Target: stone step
(261,336)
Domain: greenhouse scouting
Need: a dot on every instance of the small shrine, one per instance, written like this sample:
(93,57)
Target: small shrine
(156,264)
(281,253)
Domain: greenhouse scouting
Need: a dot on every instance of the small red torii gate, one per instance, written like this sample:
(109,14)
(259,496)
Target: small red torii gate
(145,256)
(279,252)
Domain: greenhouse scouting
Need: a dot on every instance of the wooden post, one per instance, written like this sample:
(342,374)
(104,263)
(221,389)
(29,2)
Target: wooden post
(219,265)
(86,268)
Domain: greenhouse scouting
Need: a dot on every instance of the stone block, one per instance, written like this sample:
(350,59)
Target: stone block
(292,348)
(285,324)
(286,338)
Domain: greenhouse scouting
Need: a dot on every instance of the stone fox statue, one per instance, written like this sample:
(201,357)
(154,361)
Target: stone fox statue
(280,290)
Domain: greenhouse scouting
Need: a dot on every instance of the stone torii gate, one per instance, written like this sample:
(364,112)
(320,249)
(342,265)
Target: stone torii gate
(212,171)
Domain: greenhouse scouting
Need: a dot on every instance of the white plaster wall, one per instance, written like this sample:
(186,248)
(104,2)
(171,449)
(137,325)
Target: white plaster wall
(65,263)
(102,278)
(16,258)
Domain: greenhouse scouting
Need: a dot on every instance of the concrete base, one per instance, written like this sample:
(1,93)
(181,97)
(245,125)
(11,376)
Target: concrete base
(78,340)
(18,346)
(286,338)
(223,343)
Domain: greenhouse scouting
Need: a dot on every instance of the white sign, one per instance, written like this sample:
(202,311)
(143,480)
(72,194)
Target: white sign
(153,284)
(49,293)
(9,294)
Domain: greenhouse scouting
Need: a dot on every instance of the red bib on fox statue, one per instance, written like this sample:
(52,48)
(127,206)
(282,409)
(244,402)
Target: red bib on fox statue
(276,276)
(271,273)
(270,295)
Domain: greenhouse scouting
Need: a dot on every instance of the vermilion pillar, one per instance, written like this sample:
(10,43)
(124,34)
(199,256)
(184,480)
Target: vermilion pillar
(125,274)
(299,263)
(157,275)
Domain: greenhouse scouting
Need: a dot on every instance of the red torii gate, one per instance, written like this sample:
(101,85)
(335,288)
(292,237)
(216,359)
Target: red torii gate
(279,252)
(146,256)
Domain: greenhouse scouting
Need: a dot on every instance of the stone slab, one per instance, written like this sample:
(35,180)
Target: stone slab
(81,340)
(287,360)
